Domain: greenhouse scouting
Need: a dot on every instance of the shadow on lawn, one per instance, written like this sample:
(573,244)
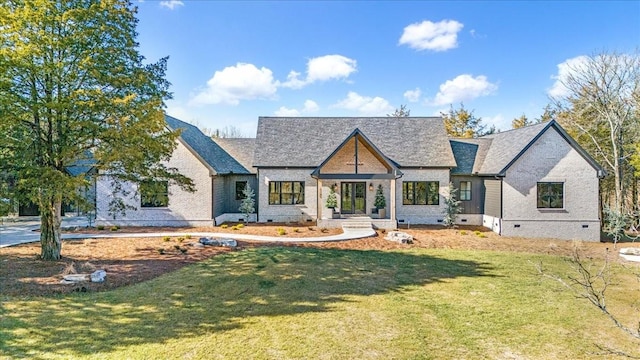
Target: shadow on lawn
(216,295)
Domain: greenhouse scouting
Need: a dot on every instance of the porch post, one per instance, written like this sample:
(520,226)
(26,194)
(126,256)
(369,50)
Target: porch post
(392,195)
(318,200)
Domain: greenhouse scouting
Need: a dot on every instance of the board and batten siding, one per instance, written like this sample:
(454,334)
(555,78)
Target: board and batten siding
(476,204)
(493,198)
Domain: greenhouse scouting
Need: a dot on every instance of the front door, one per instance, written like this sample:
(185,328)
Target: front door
(353,197)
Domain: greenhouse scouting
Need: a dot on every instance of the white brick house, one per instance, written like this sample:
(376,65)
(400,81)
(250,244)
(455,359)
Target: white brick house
(530,182)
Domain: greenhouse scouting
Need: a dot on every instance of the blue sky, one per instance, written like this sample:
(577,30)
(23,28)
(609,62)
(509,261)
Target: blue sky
(230,62)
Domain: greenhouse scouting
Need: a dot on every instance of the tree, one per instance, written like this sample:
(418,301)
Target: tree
(401,112)
(332,199)
(452,207)
(521,122)
(462,123)
(549,114)
(248,204)
(599,108)
(228,132)
(380,202)
(72,83)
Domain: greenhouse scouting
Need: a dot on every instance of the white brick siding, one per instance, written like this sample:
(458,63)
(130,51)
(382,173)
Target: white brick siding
(551,159)
(422,214)
(286,213)
(184,208)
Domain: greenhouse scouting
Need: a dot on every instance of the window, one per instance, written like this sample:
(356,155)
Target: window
(550,195)
(154,194)
(420,193)
(465,190)
(240,186)
(286,192)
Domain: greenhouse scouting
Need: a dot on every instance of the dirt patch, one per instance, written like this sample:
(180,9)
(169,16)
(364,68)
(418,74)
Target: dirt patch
(132,260)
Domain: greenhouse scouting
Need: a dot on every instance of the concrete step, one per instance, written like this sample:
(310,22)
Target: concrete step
(357,225)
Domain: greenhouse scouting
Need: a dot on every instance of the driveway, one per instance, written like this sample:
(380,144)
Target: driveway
(15,231)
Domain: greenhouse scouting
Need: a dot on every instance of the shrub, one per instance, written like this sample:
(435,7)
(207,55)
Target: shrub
(324,230)
(100,227)
(177,247)
(311,228)
(166,238)
(180,239)
(188,236)
(463,232)
(482,236)
(296,230)
(240,226)
(477,232)
(161,251)
(282,231)
(224,226)
(115,228)
(235,227)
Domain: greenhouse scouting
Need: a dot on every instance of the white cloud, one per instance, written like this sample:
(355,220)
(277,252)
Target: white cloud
(463,87)
(565,69)
(171,4)
(284,111)
(235,83)
(365,105)
(498,121)
(323,68)
(427,35)
(413,95)
(310,106)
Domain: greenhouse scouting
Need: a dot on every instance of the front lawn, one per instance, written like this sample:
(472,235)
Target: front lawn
(309,303)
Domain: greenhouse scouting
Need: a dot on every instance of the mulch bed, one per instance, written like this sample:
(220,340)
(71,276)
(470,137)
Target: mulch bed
(132,260)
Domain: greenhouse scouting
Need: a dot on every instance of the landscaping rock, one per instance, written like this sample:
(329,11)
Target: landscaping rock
(218,242)
(196,245)
(98,276)
(75,278)
(630,254)
(399,237)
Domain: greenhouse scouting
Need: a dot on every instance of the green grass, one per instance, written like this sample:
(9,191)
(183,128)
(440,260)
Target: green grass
(294,303)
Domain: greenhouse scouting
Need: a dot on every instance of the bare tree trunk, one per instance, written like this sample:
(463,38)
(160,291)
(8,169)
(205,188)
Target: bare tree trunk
(50,220)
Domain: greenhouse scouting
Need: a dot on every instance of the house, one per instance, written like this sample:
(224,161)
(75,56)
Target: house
(219,169)
(530,182)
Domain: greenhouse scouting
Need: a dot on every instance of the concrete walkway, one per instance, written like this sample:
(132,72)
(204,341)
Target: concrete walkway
(20,232)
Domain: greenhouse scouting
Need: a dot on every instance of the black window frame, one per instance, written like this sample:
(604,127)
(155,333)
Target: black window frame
(240,191)
(551,190)
(154,194)
(284,193)
(420,193)
(465,195)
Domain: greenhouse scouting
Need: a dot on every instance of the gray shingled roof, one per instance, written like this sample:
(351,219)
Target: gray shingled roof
(241,149)
(493,154)
(307,142)
(214,156)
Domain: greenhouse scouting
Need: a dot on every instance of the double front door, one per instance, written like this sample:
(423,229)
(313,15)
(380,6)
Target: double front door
(354,198)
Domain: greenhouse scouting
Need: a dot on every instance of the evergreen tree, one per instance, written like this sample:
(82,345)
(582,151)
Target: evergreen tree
(452,207)
(380,202)
(332,199)
(247,206)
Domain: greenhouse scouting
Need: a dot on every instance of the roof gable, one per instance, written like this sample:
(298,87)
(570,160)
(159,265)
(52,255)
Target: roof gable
(241,149)
(502,149)
(370,151)
(308,142)
(214,157)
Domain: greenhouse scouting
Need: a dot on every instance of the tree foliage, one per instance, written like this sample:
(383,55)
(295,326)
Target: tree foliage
(73,85)
(380,202)
(463,123)
(452,207)
(332,199)
(248,204)
(521,122)
(600,109)
(401,112)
